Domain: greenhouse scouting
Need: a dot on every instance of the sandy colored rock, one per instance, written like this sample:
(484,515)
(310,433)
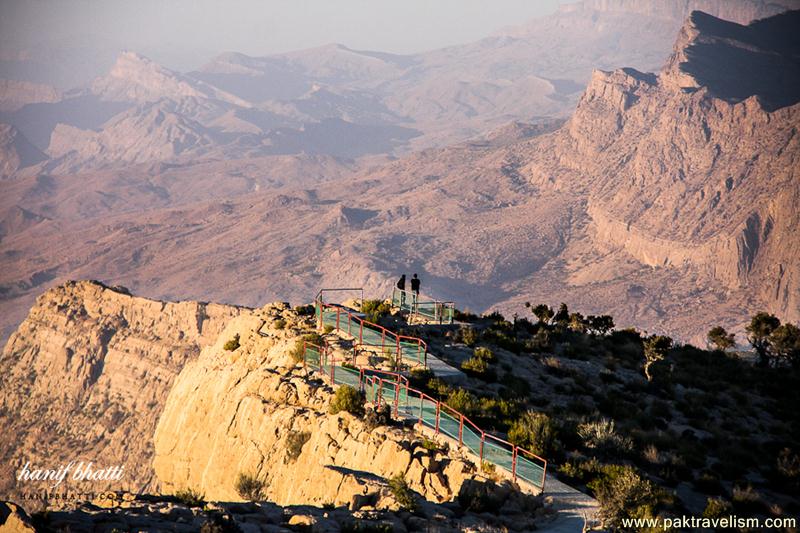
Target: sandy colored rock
(87,374)
(232,412)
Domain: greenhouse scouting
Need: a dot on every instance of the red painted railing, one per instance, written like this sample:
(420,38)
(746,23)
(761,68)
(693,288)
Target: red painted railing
(489,449)
(371,334)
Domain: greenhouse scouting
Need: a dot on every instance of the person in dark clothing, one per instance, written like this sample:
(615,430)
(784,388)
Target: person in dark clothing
(401,285)
(415,289)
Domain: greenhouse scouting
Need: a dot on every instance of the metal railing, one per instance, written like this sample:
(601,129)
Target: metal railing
(404,348)
(391,388)
(423,306)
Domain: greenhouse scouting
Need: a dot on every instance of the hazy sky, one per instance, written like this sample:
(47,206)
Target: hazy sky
(257,27)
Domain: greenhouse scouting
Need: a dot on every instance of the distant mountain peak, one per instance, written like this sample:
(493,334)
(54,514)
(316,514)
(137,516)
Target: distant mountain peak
(735,62)
(134,77)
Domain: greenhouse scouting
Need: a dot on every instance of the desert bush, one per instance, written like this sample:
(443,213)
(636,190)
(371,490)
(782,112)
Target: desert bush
(475,366)
(190,497)
(420,376)
(377,417)
(374,310)
(479,364)
(652,455)
(463,401)
(232,344)
(746,499)
(601,435)
(304,310)
(348,399)
(429,444)
(249,487)
(623,493)
(716,508)
(533,431)
(279,324)
(296,353)
(580,471)
(484,353)
(327,328)
(295,441)
(467,335)
(788,465)
(402,492)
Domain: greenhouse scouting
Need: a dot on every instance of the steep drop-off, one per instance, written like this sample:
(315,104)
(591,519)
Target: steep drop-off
(86,375)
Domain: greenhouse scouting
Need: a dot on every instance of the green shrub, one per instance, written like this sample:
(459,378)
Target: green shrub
(297,352)
(533,431)
(374,310)
(429,444)
(484,354)
(623,493)
(717,508)
(295,442)
(249,487)
(467,335)
(190,498)
(601,435)
(463,401)
(420,376)
(304,310)
(327,328)
(475,366)
(348,399)
(402,493)
(279,324)
(232,344)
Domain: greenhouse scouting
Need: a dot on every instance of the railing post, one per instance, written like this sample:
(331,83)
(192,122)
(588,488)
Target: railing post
(333,371)
(438,408)
(514,453)
(461,431)
(398,354)
(396,398)
(483,439)
(338,312)
(421,408)
(544,476)
(379,394)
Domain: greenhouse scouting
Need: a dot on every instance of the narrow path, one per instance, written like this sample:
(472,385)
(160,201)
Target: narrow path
(574,509)
(442,370)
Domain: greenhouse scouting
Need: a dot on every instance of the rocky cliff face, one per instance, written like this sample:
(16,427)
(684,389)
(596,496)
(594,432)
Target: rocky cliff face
(16,152)
(86,376)
(95,374)
(691,167)
(252,402)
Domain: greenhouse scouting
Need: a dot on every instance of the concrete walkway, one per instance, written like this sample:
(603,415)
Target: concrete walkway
(574,509)
(442,370)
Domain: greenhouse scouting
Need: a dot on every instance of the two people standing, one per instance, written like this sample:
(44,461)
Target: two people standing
(401,284)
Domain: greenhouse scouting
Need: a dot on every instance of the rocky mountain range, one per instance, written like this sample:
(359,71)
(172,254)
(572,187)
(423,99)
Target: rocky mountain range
(307,101)
(664,197)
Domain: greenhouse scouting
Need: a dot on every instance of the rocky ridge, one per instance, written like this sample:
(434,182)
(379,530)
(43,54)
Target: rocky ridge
(88,372)
(118,380)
